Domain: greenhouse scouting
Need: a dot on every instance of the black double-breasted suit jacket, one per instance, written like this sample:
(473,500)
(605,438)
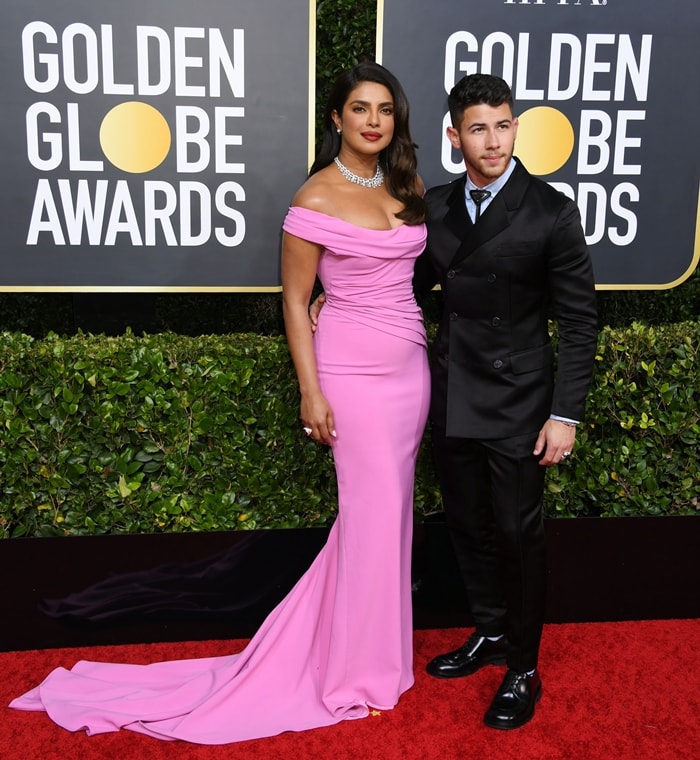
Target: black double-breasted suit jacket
(495,374)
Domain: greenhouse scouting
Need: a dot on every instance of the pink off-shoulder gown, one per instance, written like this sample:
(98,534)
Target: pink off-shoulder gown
(340,643)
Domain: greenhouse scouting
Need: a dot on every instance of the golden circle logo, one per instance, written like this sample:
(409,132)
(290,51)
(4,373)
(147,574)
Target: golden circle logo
(135,137)
(545,139)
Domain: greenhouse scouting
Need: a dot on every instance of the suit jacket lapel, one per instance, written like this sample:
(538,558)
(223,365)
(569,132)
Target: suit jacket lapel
(514,191)
(459,223)
(457,218)
(497,216)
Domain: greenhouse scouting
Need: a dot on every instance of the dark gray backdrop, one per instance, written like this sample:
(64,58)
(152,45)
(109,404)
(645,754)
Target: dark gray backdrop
(275,135)
(665,249)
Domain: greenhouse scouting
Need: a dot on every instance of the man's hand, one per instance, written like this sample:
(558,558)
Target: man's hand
(315,310)
(556,440)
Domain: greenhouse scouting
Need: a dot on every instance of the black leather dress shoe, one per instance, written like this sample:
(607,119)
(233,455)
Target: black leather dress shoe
(514,703)
(477,652)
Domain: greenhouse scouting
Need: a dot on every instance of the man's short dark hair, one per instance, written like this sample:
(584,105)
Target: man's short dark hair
(477,89)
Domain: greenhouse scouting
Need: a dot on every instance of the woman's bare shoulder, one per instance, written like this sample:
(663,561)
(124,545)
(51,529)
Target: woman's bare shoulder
(317,193)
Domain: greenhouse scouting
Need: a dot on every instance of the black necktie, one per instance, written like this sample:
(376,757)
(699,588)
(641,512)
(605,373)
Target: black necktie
(478,196)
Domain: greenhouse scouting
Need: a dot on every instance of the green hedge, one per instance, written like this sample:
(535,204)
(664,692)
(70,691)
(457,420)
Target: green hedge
(637,453)
(174,433)
(154,433)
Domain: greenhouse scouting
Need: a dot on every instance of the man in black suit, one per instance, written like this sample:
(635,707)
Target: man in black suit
(509,253)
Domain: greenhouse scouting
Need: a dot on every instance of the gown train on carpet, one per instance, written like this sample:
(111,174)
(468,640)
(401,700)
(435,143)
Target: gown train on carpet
(340,643)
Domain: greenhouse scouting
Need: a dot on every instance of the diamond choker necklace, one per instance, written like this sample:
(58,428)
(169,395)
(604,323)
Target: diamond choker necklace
(376,181)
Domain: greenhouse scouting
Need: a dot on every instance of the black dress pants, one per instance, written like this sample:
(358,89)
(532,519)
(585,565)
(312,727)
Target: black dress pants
(492,494)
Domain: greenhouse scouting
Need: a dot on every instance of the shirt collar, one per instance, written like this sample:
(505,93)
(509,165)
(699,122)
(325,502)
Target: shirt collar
(495,186)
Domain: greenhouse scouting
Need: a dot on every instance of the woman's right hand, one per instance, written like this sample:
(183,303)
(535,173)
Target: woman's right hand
(317,415)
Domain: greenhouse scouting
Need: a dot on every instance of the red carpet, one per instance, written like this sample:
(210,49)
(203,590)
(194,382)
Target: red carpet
(612,691)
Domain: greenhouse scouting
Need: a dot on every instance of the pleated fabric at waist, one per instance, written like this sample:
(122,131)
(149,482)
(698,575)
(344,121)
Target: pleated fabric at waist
(405,323)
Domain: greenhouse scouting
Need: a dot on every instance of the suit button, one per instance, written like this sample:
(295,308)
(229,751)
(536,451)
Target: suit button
(497,364)
(496,321)
(491,278)
(451,274)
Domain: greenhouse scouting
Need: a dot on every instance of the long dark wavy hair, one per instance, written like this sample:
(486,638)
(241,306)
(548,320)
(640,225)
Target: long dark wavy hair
(399,159)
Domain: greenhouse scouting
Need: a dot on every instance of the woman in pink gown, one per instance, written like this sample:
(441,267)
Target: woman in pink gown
(340,643)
